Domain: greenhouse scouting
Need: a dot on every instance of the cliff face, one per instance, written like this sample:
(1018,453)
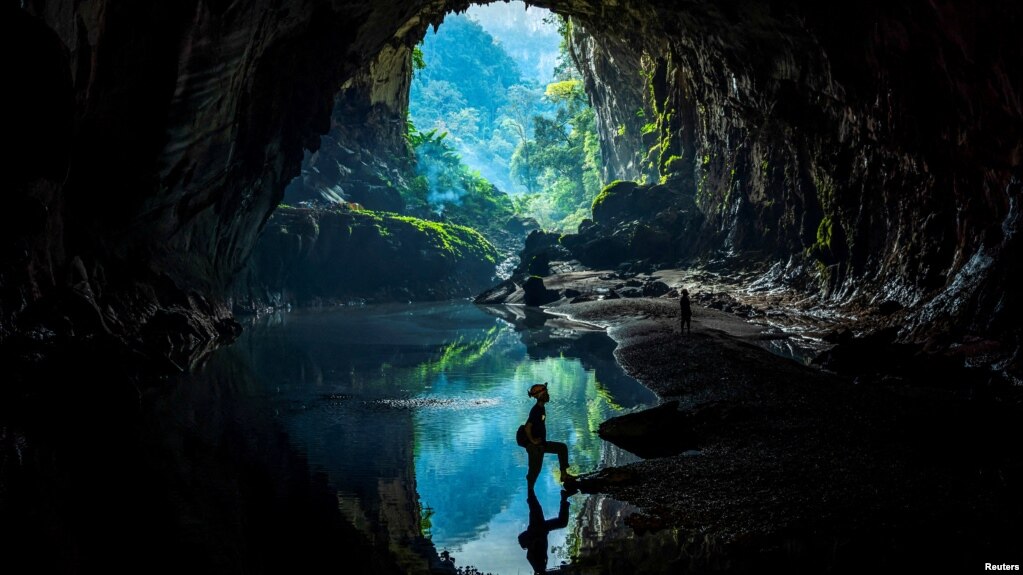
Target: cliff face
(869,147)
(364,156)
(184,124)
(871,151)
(612,74)
(323,256)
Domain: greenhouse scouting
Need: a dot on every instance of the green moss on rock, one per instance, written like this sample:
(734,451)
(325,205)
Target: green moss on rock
(603,195)
(338,253)
(452,239)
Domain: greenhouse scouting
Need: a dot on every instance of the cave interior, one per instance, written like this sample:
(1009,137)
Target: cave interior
(868,154)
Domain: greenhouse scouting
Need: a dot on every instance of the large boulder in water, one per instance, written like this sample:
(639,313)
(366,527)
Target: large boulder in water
(656,432)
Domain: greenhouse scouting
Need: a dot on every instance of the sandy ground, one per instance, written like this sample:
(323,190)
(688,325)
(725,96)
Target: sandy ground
(801,466)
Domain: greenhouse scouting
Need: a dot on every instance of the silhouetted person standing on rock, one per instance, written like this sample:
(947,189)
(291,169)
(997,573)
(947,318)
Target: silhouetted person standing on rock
(536,443)
(687,313)
(534,538)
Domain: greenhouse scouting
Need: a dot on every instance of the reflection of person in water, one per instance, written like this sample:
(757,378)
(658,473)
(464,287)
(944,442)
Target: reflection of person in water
(534,538)
(536,439)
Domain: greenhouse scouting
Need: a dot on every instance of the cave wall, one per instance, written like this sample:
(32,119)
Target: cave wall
(185,123)
(36,163)
(871,147)
(364,157)
(871,150)
(612,71)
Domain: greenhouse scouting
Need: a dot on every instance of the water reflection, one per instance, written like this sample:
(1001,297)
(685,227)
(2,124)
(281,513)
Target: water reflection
(370,439)
(534,538)
(412,408)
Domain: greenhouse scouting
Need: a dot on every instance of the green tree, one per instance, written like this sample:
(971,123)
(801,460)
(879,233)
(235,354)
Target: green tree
(445,188)
(562,159)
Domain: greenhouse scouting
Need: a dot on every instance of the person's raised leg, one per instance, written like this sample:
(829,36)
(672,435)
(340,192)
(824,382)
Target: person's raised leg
(561,450)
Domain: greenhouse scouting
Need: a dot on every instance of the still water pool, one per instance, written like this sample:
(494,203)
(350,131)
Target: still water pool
(410,411)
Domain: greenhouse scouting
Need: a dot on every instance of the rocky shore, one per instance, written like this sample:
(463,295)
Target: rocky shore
(769,460)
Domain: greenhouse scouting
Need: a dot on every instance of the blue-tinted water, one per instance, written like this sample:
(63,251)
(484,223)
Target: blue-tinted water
(410,411)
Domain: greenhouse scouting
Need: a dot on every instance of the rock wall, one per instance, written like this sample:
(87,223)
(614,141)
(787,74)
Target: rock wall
(612,76)
(310,257)
(871,151)
(184,125)
(364,157)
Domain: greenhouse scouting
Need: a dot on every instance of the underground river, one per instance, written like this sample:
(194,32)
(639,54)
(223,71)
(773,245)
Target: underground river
(377,437)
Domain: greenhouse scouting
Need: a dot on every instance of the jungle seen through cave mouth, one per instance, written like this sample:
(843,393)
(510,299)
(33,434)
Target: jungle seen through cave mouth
(499,133)
(496,95)
(496,100)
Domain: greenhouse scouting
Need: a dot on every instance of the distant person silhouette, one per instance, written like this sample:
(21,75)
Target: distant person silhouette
(534,538)
(536,443)
(686,313)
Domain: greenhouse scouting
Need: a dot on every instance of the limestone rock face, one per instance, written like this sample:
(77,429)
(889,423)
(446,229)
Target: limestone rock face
(364,156)
(848,144)
(618,94)
(874,148)
(39,130)
(633,222)
(320,257)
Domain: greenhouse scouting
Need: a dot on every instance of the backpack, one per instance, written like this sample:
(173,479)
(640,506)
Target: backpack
(520,436)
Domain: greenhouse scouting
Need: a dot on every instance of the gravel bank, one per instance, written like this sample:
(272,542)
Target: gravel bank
(803,468)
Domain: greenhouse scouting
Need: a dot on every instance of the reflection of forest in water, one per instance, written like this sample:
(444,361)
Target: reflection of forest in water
(312,442)
(318,438)
(410,407)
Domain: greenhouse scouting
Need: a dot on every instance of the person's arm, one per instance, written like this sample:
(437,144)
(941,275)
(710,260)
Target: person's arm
(529,433)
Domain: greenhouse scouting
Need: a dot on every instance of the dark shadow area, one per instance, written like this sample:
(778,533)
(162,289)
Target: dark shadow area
(105,478)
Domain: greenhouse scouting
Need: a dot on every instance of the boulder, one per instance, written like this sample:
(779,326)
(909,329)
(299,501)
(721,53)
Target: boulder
(657,432)
(655,289)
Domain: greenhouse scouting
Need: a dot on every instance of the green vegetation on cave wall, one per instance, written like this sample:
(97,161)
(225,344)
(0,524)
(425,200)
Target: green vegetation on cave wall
(311,256)
(830,112)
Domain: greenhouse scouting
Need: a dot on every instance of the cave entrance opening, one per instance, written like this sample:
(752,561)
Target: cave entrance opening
(499,123)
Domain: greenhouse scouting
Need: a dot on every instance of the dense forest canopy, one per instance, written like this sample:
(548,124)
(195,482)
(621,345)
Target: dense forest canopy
(475,117)
(472,89)
(529,35)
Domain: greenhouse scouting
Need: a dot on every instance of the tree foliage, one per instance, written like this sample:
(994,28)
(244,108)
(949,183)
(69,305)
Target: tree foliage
(538,142)
(562,160)
(472,89)
(445,188)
